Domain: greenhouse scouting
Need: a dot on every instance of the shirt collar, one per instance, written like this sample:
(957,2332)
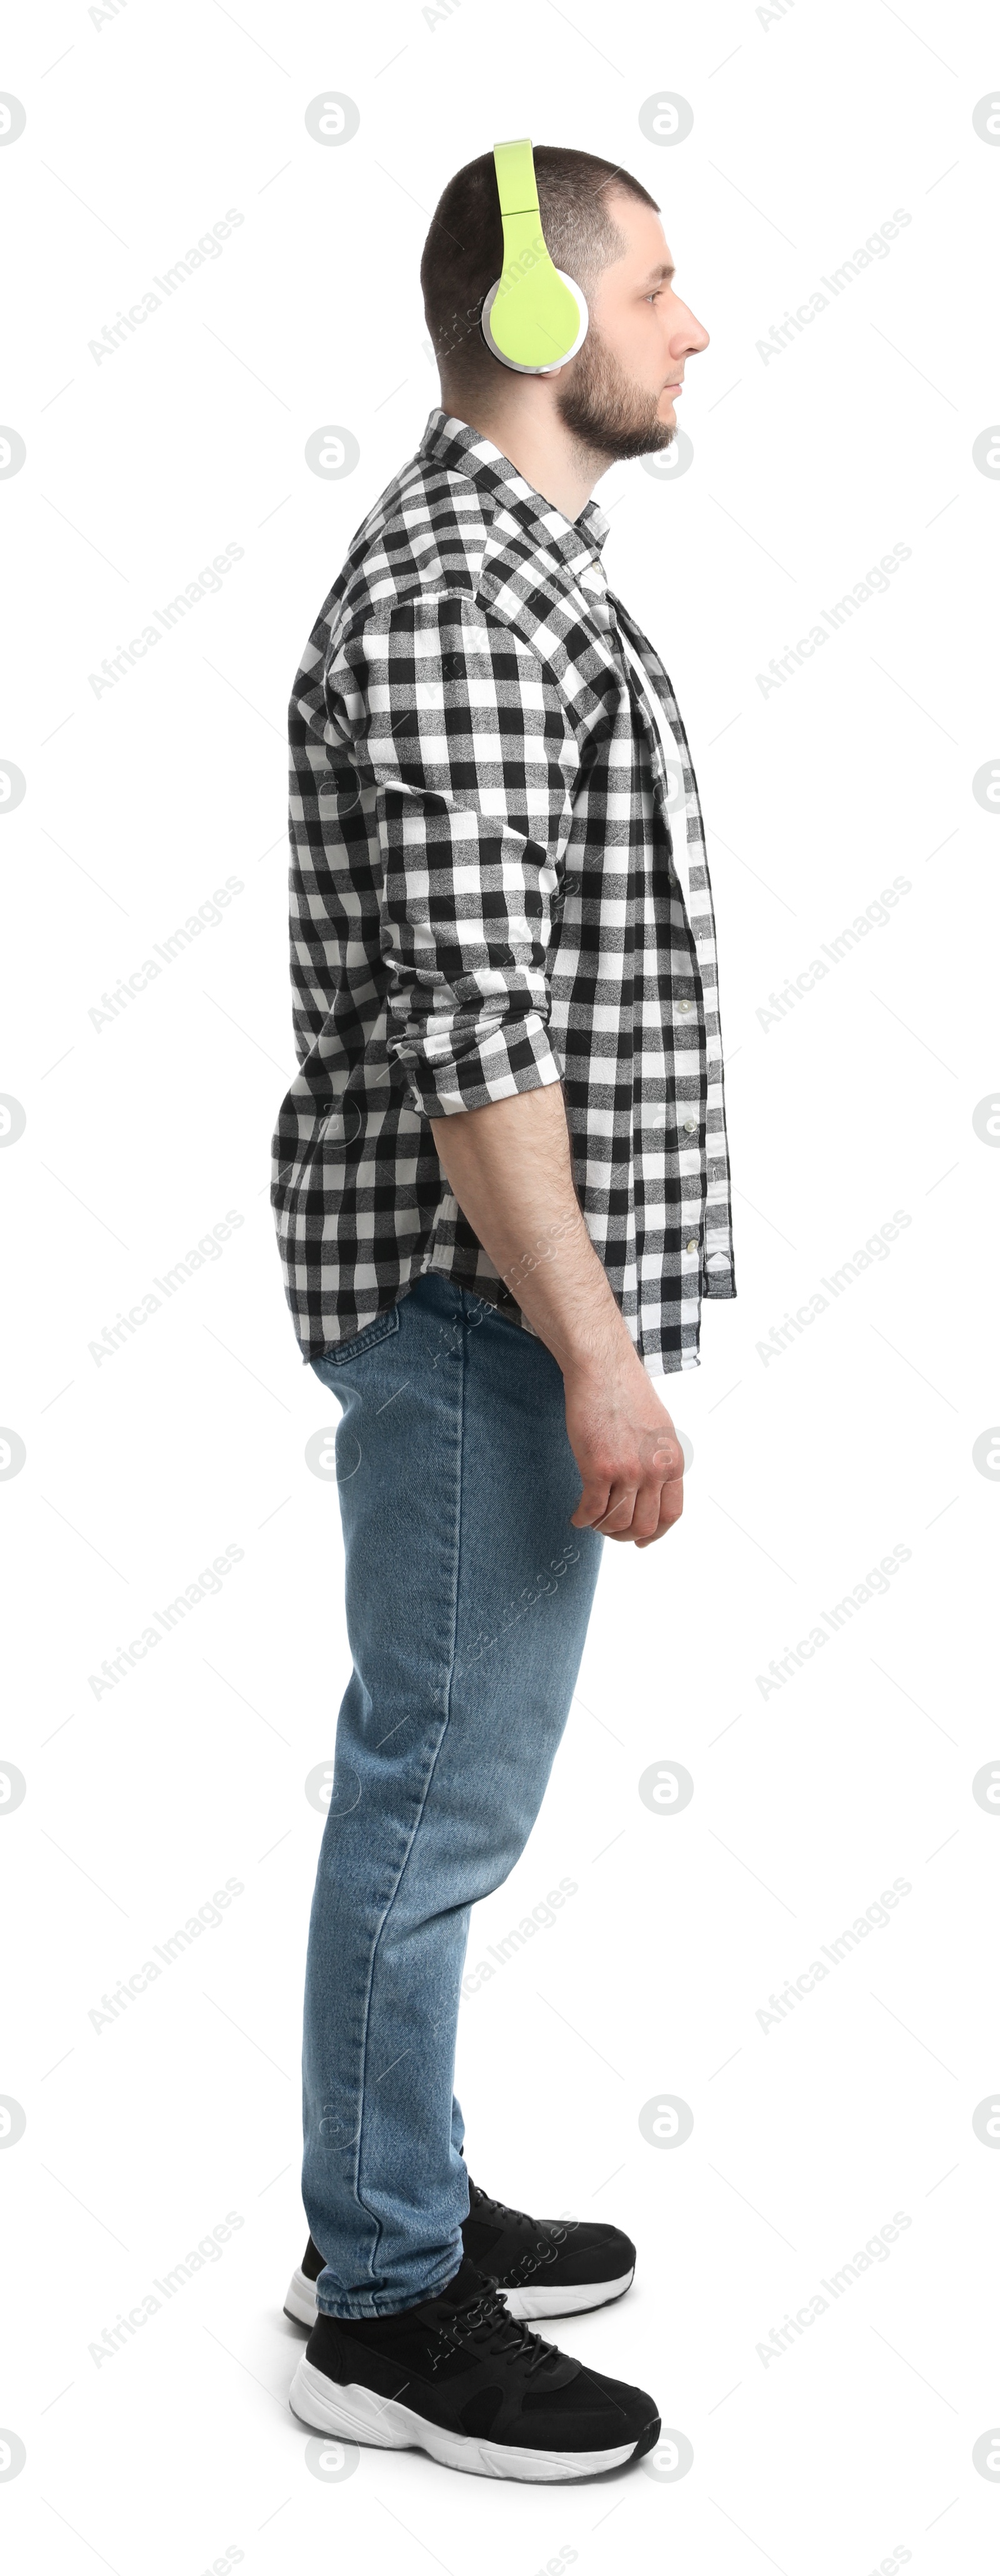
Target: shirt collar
(464,450)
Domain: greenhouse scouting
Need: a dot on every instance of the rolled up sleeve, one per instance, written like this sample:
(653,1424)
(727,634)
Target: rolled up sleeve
(461,739)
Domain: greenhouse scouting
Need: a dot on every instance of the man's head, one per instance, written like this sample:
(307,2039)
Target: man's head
(602,228)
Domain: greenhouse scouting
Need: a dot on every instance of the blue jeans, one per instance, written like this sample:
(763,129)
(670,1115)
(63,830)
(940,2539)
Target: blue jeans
(468,1596)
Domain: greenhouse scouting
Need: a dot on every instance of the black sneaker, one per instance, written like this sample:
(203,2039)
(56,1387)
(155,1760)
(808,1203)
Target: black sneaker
(546,2267)
(462,2379)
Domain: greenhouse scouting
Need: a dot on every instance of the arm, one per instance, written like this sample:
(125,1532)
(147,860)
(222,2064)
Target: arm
(510,1168)
(434,691)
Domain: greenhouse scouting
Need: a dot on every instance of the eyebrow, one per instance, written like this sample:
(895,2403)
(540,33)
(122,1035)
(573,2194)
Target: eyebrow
(662,274)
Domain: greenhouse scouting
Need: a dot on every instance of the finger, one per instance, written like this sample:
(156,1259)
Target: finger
(616,1521)
(636,1511)
(592,1504)
(671,1507)
(671,1501)
(656,1504)
(647,1514)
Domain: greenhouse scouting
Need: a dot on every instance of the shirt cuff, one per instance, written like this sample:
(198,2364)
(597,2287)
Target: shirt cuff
(517,1057)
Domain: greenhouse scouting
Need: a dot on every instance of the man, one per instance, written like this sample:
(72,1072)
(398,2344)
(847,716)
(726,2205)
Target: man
(501,1192)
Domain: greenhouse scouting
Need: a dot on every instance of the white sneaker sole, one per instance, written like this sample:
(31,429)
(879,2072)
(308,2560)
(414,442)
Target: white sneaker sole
(569,2301)
(356,2414)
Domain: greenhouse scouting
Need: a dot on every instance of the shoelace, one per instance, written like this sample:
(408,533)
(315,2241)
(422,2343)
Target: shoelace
(487,2314)
(502,2207)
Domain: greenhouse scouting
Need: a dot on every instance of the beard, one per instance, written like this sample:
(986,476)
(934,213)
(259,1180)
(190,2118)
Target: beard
(606,411)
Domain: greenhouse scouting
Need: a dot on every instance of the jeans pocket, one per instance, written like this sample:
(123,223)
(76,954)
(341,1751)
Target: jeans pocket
(378,1331)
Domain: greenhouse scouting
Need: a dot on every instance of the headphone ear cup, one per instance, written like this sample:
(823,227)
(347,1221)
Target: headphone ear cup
(525,328)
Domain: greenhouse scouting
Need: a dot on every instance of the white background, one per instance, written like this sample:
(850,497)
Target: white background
(809,131)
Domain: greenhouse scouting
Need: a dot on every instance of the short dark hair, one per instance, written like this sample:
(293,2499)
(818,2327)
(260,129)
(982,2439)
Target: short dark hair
(463,252)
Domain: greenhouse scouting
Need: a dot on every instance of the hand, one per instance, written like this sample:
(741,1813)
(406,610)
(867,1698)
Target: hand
(627,1451)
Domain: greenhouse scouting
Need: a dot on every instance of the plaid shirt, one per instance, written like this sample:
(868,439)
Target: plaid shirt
(483,900)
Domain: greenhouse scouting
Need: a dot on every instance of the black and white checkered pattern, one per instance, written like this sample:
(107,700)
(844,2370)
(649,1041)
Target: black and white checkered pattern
(484,899)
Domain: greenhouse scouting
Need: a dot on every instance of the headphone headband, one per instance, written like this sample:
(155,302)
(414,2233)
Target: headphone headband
(535,318)
(517,186)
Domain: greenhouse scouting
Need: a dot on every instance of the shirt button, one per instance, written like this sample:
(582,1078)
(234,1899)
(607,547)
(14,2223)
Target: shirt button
(690,1126)
(683,1006)
(693,1245)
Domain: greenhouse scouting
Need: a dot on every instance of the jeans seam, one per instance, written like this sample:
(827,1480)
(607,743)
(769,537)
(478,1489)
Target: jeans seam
(401,1872)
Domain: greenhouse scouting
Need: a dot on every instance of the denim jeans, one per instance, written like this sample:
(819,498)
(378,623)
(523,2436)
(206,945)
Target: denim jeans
(468,1596)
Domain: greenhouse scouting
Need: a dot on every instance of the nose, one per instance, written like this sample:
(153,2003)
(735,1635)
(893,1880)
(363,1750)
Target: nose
(696,337)
(688,336)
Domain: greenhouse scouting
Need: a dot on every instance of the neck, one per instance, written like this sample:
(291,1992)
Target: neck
(532,436)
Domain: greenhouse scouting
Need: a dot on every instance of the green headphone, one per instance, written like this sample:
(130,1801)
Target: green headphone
(535,317)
